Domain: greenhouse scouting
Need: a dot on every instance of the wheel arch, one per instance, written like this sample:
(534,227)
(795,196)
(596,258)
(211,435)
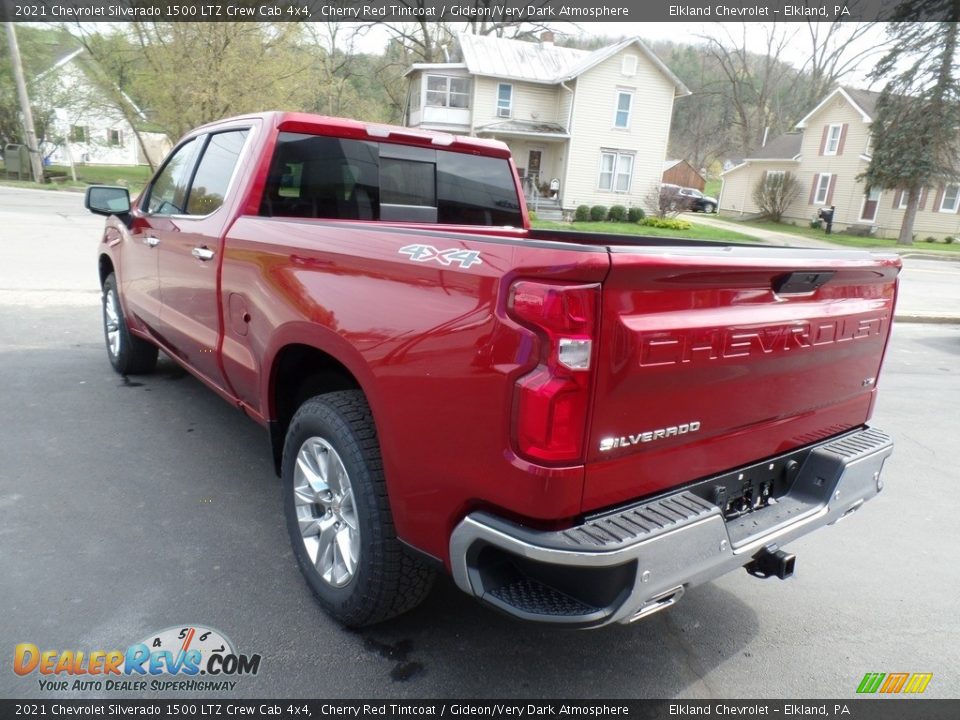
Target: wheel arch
(105,268)
(299,371)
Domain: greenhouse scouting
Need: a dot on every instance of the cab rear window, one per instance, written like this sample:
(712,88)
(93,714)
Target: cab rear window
(325,177)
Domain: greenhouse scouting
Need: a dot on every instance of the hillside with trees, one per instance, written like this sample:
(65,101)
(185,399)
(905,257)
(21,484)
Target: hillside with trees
(185,74)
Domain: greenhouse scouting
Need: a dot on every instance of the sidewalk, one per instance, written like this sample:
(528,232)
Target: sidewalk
(769,237)
(921,287)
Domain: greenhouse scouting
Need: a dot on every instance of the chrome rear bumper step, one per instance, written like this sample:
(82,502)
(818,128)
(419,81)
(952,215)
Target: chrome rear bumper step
(632,562)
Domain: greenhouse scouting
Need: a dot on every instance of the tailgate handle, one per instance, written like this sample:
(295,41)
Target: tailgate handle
(800,283)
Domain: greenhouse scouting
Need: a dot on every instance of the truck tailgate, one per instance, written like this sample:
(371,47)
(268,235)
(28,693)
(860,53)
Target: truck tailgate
(712,358)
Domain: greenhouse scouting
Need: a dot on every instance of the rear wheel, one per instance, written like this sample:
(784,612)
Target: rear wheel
(128,354)
(338,514)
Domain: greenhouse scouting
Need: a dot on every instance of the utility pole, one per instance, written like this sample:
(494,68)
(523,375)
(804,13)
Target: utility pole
(31,134)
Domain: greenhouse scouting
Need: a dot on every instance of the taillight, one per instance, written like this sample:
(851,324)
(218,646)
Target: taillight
(552,401)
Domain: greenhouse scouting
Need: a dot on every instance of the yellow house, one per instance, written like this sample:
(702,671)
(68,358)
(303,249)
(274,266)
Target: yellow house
(585,128)
(830,150)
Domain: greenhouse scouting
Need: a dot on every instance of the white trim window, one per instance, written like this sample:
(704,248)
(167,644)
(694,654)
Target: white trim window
(775,176)
(628,66)
(115,137)
(504,100)
(616,171)
(951,199)
(904,199)
(833,139)
(823,189)
(448,91)
(621,114)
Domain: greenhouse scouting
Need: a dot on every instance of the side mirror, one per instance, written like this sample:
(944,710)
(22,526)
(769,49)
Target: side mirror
(107,200)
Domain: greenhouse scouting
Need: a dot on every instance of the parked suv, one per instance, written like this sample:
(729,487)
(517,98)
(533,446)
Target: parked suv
(697,201)
(685,198)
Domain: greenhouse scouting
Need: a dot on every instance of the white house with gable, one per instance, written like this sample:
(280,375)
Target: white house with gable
(596,124)
(87,126)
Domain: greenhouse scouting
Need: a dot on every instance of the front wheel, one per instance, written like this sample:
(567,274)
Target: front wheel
(128,354)
(338,514)
(709,208)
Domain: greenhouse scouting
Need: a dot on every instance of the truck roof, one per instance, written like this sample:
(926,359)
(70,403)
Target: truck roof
(360,130)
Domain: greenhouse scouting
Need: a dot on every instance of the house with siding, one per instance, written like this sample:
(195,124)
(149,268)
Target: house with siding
(584,128)
(88,127)
(831,148)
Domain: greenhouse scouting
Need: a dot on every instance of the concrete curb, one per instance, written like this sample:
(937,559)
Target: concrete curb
(45,189)
(932,319)
(944,256)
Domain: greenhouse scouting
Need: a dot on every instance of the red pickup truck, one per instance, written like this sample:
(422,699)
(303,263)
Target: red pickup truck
(578,427)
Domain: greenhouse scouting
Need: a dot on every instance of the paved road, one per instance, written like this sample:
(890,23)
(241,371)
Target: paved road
(929,287)
(47,250)
(128,507)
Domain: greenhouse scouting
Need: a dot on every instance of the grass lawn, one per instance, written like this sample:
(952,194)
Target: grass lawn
(849,240)
(134,177)
(697,232)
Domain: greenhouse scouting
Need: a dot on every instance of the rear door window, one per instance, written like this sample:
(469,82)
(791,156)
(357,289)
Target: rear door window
(322,177)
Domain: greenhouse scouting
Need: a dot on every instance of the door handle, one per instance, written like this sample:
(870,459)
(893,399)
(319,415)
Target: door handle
(151,241)
(202,253)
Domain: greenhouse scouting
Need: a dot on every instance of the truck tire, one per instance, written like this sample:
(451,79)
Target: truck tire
(338,514)
(128,354)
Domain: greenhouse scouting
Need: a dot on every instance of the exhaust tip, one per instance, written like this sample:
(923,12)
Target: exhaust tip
(772,562)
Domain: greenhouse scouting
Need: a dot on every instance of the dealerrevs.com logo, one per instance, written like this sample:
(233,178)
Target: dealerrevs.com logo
(184,658)
(894,683)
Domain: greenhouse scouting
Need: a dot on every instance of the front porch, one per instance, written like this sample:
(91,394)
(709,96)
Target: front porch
(546,208)
(539,151)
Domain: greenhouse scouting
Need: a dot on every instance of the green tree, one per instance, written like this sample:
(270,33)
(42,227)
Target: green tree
(915,127)
(187,74)
(39,49)
(343,81)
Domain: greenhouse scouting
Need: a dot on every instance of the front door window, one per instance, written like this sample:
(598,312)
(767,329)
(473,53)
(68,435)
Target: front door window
(533,165)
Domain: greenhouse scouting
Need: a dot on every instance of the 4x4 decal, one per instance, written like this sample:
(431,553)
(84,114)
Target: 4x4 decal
(425,253)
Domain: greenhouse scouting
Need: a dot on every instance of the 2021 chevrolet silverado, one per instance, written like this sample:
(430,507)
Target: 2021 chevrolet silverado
(577,427)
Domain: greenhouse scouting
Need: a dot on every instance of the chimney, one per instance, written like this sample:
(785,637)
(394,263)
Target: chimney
(546,38)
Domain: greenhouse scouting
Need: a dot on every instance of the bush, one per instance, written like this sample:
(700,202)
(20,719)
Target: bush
(815,224)
(666,223)
(598,213)
(582,214)
(618,213)
(948,239)
(931,239)
(532,215)
(635,215)
(773,193)
(665,201)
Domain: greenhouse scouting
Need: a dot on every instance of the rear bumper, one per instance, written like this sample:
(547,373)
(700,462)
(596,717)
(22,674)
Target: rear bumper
(633,561)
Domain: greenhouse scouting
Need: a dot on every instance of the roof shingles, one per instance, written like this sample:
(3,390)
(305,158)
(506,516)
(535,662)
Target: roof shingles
(782,147)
